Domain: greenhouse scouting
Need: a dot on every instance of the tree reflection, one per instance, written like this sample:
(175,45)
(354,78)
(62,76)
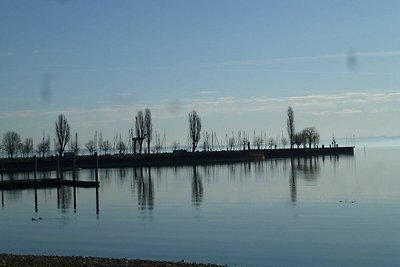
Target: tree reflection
(145,189)
(64,198)
(197,188)
(293,181)
(309,168)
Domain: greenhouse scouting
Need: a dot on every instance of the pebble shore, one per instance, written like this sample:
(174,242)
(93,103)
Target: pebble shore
(11,260)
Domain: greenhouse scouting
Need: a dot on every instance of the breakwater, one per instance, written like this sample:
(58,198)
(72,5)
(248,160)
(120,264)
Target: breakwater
(180,157)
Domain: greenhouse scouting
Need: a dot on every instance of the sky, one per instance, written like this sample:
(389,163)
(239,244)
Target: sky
(239,64)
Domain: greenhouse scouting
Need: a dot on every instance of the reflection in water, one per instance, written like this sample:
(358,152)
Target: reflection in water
(145,189)
(309,168)
(293,181)
(64,195)
(142,180)
(197,188)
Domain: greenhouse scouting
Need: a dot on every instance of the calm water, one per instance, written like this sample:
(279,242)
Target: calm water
(306,212)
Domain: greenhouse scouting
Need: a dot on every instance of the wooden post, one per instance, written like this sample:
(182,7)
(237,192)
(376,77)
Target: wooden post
(74,199)
(1,170)
(97,167)
(97,200)
(35,163)
(36,201)
(97,180)
(74,167)
(58,167)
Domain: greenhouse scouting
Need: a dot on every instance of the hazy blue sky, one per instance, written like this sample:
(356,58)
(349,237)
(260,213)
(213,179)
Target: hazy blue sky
(240,64)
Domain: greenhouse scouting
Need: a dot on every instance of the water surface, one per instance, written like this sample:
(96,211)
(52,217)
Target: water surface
(321,211)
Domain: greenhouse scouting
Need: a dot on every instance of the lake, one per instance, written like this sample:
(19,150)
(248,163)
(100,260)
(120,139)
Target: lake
(321,211)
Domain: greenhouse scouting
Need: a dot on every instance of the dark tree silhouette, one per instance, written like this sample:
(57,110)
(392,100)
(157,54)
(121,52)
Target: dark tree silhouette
(311,136)
(27,147)
(290,126)
(90,146)
(43,147)
(121,146)
(148,128)
(63,133)
(298,139)
(139,128)
(194,129)
(11,143)
(104,145)
(74,145)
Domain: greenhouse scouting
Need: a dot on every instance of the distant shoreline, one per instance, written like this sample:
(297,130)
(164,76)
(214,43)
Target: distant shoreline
(11,260)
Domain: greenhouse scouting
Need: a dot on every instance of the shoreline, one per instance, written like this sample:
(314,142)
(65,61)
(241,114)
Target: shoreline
(11,260)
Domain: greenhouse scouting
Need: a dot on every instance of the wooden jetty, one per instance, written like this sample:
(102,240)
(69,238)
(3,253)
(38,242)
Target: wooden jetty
(52,182)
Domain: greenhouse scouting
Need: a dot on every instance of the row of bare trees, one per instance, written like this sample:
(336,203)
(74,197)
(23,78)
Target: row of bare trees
(308,135)
(11,142)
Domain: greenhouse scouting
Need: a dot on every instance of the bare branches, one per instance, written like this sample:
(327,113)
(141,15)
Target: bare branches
(194,129)
(11,143)
(148,128)
(140,129)
(290,126)
(63,133)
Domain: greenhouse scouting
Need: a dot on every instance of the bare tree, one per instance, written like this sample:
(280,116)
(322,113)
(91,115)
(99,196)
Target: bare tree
(101,142)
(258,141)
(121,147)
(206,141)
(140,129)
(271,143)
(175,145)
(315,139)
(311,135)
(158,146)
(90,146)
(290,126)
(63,133)
(244,140)
(106,146)
(194,129)
(27,147)
(74,145)
(148,128)
(11,143)
(231,142)
(43,147)
(284,141)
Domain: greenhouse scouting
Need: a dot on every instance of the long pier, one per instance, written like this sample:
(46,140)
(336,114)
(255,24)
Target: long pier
(181,157)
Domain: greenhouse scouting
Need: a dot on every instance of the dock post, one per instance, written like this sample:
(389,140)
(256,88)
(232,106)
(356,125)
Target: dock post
(74,167)
(2,179)
(97,200)
(36,201)
(97,167)
(74,199)
(97,180)
(58,167)
(35,162)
